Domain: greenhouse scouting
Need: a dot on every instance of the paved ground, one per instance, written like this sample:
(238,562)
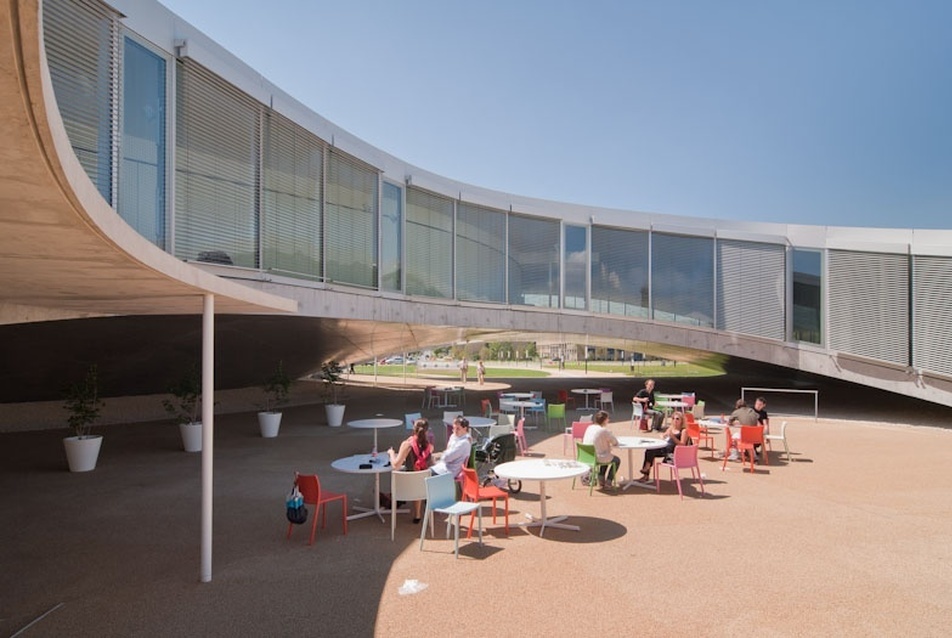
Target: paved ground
(851,537)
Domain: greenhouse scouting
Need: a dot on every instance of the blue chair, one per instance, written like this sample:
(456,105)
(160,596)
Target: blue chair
(441,499)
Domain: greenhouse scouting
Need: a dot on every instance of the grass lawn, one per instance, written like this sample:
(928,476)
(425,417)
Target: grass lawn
(641,371)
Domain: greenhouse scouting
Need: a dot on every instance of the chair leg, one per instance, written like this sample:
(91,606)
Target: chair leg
(313,528)
(787,450)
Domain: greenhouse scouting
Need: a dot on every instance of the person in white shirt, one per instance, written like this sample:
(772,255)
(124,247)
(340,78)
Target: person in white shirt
(457,450)
(603,440)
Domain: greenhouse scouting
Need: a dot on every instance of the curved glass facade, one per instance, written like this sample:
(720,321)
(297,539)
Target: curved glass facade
(258,188)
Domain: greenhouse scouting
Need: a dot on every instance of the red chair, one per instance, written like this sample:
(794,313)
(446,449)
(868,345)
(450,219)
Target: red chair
(566,398)
(753,435)
(310,487)
(698,435)
(473,493)
(742,445)
(685,457)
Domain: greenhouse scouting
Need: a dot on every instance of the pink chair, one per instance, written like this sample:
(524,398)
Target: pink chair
(574,433)
(521,437)
(685,456)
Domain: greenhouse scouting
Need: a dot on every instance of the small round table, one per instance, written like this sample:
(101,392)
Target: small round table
(637,443)
(587,392)
(375,424)
(542,470)
(371,465)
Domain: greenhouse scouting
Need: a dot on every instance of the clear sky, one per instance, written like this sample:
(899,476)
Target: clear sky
(833,112)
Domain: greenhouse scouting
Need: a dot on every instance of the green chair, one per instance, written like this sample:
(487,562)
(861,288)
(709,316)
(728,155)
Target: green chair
(555,412)
(586,454)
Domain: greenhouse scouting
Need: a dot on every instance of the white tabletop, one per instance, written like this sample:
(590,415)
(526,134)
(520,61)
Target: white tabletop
(516,395)
(475,421)
(351,464)
(665,403)
(586,391)
(525,404)
(640,443)
(541,469)
(375,423)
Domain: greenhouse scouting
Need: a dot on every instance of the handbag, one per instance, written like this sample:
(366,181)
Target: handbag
(294,502)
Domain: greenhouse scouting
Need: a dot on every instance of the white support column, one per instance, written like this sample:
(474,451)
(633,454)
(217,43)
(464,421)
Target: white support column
(208,430)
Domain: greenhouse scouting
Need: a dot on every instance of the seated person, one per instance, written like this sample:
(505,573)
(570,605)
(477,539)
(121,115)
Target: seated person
(675,435)
(457,450)
(603,440)
(742,415)
(760,407)
(415,454)
(646,397)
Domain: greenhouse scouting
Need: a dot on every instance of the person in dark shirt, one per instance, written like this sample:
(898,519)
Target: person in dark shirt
(646,398)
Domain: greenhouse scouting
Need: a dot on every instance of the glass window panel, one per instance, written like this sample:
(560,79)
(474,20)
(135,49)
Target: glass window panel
(79,38)
(534,256)
(142,152)
(576,267)
(216,173)
(391,244)
(682,279)
(351,222)
(481,261)
(293,166)
(807,293)
(429,244)
(620,272)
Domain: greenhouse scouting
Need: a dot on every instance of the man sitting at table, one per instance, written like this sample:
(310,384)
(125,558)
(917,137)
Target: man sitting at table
(742,415)
(603,440)
(457,450)
(646,398)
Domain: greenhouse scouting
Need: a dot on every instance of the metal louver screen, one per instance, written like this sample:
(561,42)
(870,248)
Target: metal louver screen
(481,246)
(682,279)
(81,40)
(620,272)
(751,288)
(429,255)
(869,305)
(535,252)
(293,165)
(351,221)
(932,314)
(216,170)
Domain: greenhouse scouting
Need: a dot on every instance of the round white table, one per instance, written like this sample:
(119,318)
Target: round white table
(587,392)
(542,470)
(375,424)
(637,443)
(371,465)
(449,392)
(522,405)
(516,395)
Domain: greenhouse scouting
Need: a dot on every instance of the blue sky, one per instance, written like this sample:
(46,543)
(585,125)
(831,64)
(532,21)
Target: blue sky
(830,112)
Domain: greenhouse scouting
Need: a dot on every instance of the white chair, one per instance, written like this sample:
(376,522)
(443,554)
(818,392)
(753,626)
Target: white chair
(782,437)
(405,486)
(496,430)
(586,418)
(441,499)
(637,413)
(506,419)
(605,399)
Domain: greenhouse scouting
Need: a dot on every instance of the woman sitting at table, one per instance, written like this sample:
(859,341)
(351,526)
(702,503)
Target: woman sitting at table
(416,453)
(675,435)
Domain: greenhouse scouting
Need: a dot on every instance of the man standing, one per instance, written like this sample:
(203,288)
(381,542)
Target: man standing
(463,370)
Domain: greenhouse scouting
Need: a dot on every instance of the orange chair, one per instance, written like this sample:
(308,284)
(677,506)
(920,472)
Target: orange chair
(521,437)
(753,435)
(310,487)
(566,398)
(698,435)
(742,445)
(575,433)
(473,493)
(685,456)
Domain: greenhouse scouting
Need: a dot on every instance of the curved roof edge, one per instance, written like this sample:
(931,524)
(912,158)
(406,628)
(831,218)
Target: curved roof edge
(61,244)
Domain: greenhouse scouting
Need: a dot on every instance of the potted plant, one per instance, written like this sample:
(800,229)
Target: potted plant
(185,407)
(332,374)
(276,389)
(84,406)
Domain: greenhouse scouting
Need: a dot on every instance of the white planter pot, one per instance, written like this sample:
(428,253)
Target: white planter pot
(191,436)
(269,422)
(82,452)
(335,414)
